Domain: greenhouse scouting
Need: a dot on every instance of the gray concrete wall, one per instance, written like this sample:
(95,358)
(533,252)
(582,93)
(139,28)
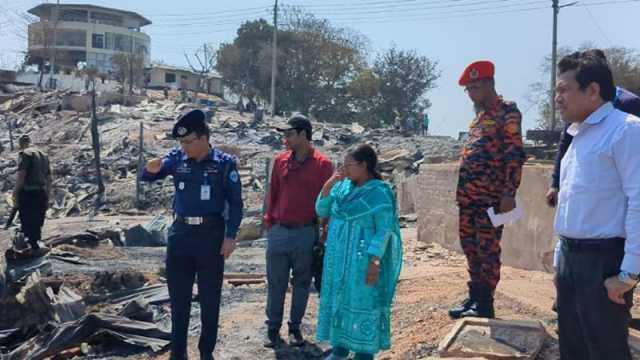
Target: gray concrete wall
(528,244)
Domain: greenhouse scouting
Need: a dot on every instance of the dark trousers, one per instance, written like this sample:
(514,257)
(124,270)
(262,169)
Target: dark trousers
(32,208)
(591,327)
(289,251)
(195,250)
(480,243)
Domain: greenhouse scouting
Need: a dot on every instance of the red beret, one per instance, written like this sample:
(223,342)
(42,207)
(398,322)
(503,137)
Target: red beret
(482,69)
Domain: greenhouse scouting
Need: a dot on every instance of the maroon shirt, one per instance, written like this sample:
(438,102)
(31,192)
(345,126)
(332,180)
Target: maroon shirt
(295,187)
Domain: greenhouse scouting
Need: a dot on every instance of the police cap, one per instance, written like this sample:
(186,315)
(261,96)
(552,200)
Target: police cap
(190,122)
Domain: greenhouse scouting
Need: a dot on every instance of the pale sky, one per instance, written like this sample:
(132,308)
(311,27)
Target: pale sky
(514,34)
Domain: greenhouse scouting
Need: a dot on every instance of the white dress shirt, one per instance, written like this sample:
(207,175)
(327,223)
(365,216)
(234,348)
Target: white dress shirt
(600,182)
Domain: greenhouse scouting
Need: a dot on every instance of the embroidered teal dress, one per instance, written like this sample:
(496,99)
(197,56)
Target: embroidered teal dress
(363,223)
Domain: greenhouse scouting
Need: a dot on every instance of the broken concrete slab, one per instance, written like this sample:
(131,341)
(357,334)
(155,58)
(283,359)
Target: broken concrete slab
(153,233)
(529,245)
(494,339)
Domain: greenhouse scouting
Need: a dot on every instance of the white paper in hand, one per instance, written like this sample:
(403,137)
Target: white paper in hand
(506,218)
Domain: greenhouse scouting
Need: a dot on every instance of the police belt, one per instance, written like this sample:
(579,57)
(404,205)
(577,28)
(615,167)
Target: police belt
(292,225)
(592,245)
(199,220)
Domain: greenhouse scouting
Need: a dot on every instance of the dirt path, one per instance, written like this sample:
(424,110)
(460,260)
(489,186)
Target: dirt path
(433,280)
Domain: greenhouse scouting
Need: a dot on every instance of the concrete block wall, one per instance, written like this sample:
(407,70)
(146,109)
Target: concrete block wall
(528,244)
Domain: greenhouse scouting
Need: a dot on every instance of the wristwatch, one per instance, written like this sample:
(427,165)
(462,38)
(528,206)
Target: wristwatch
(629,278)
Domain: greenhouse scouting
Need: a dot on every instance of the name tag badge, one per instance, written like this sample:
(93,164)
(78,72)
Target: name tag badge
(205,192)
(181,185)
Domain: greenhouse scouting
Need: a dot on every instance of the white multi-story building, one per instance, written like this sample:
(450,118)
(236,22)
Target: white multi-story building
(86,33)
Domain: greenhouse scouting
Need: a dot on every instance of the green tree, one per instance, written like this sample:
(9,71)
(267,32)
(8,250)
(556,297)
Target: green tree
(315,63)
(322,71)
(242,63)
(404,79)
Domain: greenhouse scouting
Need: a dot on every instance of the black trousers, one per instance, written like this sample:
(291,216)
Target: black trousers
(32,208)
(591,327)
(194,250)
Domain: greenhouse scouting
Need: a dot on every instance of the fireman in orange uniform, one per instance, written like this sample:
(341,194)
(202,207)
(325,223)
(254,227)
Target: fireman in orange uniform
(490,171)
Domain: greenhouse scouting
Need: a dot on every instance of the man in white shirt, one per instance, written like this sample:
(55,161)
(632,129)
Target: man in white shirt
(598,216)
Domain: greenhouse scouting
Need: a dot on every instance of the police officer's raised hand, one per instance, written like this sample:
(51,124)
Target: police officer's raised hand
(154,165)
(228,246)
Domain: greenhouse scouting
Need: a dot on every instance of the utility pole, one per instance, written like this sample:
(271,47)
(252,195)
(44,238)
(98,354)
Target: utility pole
(274,58)
(131,60)
(554,58)
(10,124)
(55,50)
(554,61)
(140,167)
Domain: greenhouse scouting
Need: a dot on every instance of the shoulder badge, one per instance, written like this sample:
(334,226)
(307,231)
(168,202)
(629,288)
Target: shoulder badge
(233,176)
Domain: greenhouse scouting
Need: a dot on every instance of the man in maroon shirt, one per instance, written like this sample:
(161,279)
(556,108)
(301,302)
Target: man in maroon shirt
(296,180)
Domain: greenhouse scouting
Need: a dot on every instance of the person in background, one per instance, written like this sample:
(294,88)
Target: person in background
(425,124)
(32,190)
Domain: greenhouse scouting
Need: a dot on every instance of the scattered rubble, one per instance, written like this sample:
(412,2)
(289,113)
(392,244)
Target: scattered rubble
(62,130)
(100,286)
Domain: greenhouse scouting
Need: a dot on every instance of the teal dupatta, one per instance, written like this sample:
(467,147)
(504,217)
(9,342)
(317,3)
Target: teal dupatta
(363,223)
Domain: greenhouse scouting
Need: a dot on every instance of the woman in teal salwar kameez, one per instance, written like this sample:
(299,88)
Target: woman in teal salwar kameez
(362,260)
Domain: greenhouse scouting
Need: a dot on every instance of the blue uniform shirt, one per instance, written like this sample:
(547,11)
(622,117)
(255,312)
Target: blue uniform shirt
(200,189)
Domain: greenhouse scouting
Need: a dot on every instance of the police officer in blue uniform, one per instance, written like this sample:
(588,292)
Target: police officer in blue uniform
(200,239)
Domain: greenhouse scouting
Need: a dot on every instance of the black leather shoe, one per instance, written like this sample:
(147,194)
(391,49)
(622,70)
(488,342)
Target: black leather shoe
(483,306)
(480,309)
(206,357)
(296,338)
(457,311)
(273,338)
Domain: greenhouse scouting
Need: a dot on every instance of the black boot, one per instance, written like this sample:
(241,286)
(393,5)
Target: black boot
(295,337)
(456,312)
(483,306)
(273,339)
